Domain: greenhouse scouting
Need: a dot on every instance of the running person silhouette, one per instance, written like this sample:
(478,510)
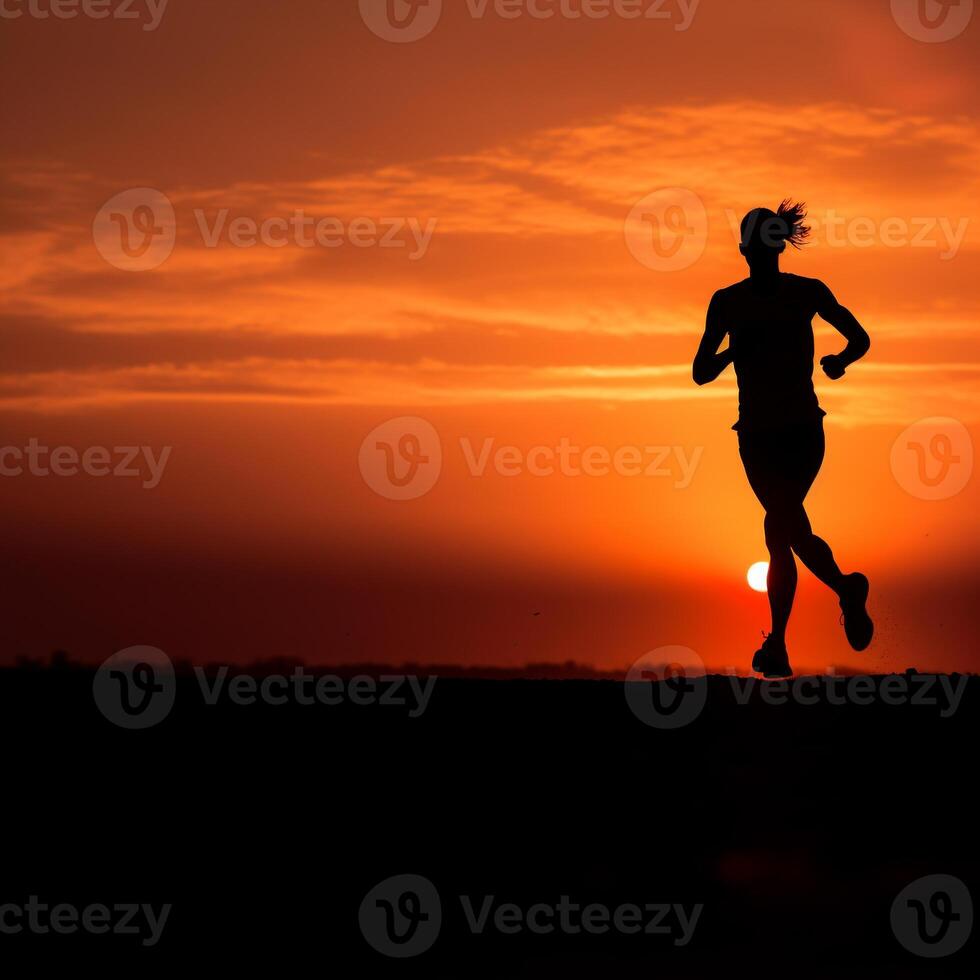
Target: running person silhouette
(768,319)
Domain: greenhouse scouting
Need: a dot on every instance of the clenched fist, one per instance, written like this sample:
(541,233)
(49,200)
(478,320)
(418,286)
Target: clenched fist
(833,366)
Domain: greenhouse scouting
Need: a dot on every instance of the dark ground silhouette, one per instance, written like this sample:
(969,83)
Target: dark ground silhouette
(796,825)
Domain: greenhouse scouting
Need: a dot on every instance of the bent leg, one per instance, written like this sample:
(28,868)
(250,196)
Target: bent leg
(815,553)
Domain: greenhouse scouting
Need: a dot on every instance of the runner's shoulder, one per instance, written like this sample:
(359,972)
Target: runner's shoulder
(812,287)
(730,292)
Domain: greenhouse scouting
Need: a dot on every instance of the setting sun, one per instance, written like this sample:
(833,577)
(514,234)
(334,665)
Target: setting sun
(757,576)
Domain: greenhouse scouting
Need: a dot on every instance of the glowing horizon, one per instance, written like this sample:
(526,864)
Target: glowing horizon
(515,300)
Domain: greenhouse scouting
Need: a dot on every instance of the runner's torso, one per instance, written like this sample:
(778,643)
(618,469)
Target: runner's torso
(771,335)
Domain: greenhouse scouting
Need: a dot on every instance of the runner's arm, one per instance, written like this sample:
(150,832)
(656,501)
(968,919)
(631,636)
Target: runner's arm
(708,363)
(844,322)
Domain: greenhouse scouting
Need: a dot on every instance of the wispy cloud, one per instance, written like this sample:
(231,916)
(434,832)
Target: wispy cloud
(528,246)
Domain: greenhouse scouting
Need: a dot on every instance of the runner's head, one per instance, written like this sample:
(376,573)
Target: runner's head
(765,233)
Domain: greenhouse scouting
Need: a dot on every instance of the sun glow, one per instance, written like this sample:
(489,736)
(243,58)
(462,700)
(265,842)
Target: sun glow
(758,575)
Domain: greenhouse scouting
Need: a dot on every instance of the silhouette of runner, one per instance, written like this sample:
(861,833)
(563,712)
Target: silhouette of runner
(768,319)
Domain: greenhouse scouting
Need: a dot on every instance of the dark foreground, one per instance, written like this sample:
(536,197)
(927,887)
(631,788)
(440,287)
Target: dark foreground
(792,826)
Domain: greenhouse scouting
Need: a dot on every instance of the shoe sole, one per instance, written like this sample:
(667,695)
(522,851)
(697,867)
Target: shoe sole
(858,625)
(760,665)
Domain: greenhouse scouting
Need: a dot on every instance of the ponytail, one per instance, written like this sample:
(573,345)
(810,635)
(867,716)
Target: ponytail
(794,216)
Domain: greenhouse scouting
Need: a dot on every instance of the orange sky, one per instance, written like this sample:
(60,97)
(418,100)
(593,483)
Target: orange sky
(523,145)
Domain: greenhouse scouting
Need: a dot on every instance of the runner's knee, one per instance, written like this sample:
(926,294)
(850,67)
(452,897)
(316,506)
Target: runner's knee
(779,530)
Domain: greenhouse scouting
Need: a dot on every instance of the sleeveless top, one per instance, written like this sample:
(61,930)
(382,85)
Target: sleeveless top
(771,337)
